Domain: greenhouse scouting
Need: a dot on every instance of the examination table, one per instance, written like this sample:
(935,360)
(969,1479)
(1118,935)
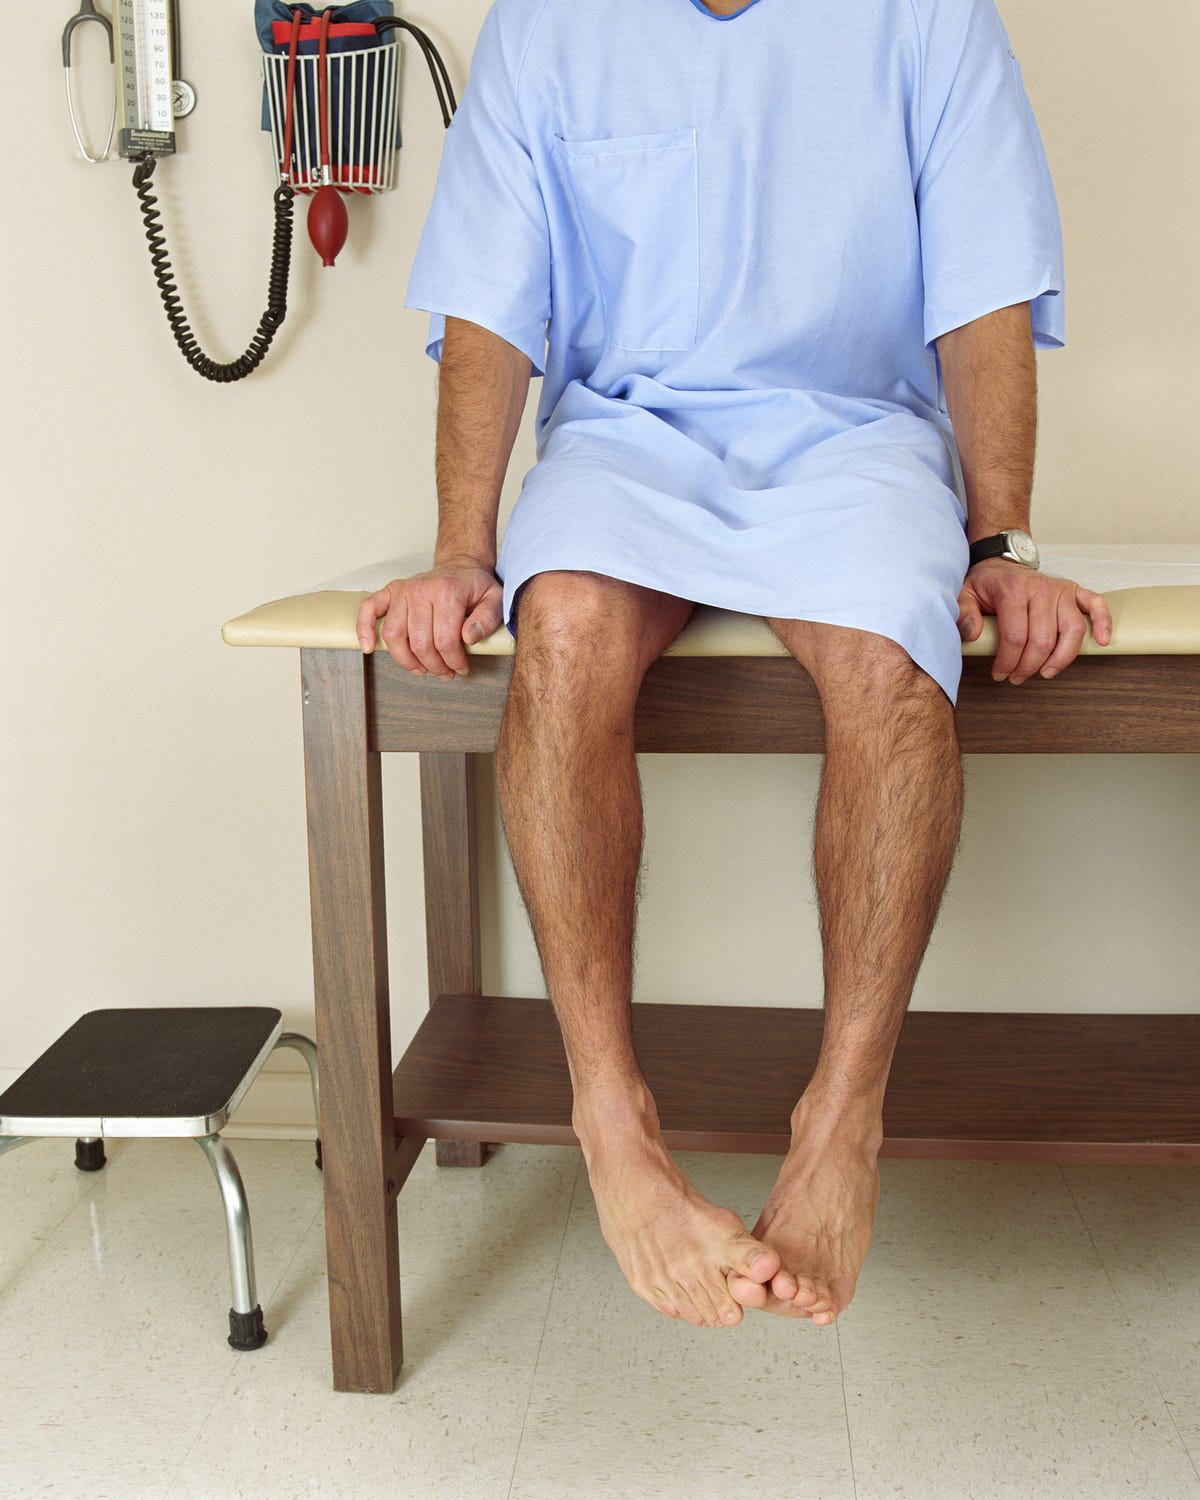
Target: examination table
(482,1068)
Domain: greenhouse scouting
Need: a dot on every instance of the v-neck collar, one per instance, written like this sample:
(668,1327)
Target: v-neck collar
(732,16)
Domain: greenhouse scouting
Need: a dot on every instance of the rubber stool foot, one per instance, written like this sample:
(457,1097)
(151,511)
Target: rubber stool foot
(246,1330)
(89,1155)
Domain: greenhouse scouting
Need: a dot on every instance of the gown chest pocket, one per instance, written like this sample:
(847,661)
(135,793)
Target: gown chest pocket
(638,202)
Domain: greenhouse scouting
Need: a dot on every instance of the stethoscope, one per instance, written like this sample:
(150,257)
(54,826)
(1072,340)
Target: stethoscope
(183,95)
(88,12)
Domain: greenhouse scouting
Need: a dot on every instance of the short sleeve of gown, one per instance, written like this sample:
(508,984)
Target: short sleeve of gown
(484,250)
(989,221)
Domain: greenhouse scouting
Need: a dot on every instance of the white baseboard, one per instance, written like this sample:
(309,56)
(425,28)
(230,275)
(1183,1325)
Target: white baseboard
(277,1107)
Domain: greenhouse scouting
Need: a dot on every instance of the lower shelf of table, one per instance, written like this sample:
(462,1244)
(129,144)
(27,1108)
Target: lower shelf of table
(972,1086)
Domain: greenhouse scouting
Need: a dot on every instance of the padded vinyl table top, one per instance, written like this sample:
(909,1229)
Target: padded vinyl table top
(1153,591)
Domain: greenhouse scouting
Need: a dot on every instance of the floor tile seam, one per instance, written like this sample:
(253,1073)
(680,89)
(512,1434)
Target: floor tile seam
(1146,1360)
(846,1413)
(317,1213)
(537,1358)
(191,1448)
(237,1364)
(88,1192)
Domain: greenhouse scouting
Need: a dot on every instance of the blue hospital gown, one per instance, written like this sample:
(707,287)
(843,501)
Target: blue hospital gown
(727,246)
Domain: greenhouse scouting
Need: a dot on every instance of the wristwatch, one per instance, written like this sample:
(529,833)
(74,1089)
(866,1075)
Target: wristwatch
(1019,546)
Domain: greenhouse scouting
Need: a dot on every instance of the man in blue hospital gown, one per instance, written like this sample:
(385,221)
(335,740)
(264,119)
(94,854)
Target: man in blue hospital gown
(782,267)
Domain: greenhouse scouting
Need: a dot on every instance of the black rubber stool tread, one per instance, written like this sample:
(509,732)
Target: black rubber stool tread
(169,1062)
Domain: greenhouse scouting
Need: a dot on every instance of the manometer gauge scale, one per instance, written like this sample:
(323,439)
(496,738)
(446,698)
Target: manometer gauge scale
(144,57)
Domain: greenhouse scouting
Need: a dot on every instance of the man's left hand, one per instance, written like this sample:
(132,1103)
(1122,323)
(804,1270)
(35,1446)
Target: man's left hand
(1041,620)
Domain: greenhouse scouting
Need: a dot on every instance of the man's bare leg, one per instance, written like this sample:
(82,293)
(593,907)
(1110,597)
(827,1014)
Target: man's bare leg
(571,803)
(887,827)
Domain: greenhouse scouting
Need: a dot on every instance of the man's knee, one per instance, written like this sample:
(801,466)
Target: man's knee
(859,667)
(883,670)
(589,625)
(560,607)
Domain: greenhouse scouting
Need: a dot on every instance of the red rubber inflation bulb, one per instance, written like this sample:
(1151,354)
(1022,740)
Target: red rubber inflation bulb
(328,223)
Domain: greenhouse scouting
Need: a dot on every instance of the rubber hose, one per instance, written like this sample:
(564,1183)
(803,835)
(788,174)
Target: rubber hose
(276,310)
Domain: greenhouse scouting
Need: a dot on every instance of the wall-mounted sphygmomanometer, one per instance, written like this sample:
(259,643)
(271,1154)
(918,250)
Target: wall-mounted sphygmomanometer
(331,78)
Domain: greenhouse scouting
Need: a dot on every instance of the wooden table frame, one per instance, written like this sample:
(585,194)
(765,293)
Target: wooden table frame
(995,1086)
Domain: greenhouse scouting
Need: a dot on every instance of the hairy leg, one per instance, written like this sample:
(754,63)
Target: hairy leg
(570,799)
(888,819)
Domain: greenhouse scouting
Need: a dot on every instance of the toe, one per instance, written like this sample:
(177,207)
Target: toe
(833,1303)
(784,1285)
(704,1306)
(690,1305)
(754,1260)
(800,1291)
(748,1293)
(660,1300)
(784,1309)
(725,1307)
(810,1297)
(757,1298)
(718,1306)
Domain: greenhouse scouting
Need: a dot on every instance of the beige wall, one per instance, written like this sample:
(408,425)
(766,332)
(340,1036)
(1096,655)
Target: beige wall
(153,823)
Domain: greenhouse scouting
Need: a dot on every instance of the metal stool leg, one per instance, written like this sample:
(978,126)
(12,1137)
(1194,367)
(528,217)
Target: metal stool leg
(308,1052)
(246,1329)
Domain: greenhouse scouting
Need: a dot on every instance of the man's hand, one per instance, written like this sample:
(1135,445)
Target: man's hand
(429,616)
(1041,620)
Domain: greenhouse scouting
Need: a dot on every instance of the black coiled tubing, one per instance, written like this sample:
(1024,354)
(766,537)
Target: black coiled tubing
(268,324)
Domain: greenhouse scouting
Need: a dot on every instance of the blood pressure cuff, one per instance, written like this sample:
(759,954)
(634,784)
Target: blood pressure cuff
(351,29)
(359,13)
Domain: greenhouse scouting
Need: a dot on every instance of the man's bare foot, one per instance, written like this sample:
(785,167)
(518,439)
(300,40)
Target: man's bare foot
(675,1247)
(819,1215)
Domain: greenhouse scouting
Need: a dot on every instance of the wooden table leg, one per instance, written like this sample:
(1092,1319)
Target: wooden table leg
(353,1031)
(451,899)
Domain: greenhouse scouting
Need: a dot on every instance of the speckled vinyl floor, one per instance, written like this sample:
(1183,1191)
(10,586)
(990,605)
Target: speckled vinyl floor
(1018,1331)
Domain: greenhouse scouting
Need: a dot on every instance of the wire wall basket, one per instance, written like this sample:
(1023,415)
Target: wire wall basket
(363,94)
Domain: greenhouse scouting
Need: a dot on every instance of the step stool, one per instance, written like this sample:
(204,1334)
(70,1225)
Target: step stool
(161,1071)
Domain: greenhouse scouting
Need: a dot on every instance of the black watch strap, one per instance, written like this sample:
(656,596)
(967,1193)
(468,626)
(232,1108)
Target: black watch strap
(988,546)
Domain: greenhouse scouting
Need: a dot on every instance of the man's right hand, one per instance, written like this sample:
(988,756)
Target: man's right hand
(427,618)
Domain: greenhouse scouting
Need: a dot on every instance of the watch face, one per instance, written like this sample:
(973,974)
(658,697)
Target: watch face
(1023,547)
